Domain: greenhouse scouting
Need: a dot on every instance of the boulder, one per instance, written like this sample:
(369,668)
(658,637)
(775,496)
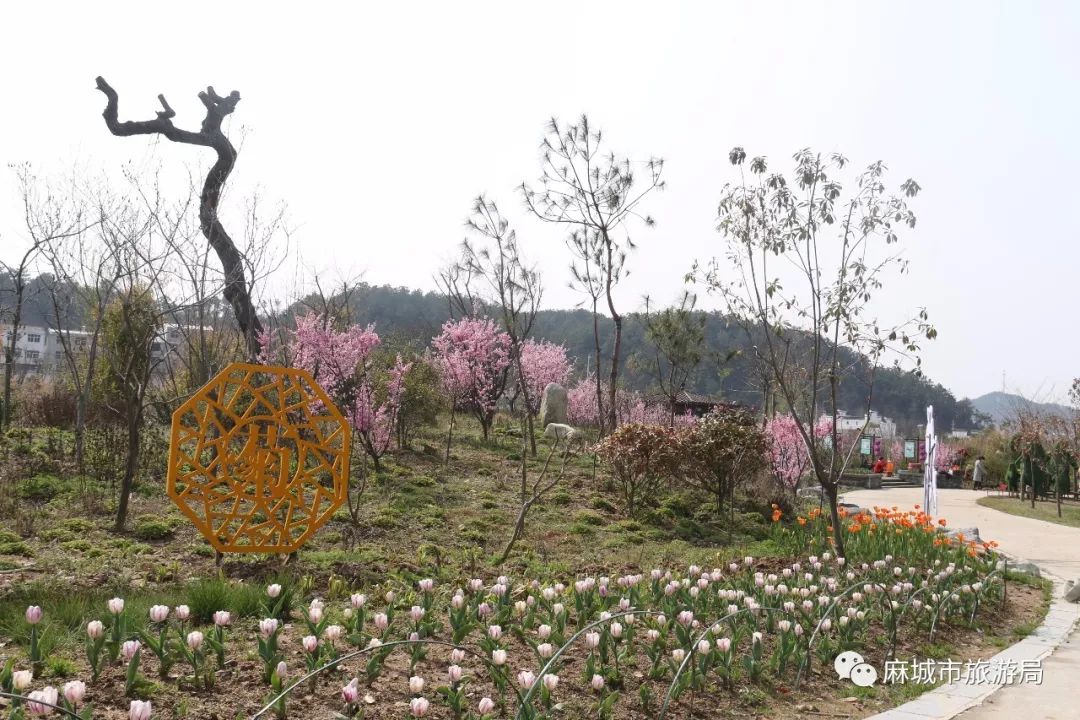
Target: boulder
(969,533)
(1072,592)
(1026,568)
(567,435)
(553,405)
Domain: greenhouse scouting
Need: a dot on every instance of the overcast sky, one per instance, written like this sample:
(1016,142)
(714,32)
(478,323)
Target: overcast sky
(377,124)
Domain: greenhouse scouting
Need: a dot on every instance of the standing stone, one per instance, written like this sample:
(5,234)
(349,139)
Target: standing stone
(553,405)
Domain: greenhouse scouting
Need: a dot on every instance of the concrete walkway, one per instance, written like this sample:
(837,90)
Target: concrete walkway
(1056,550)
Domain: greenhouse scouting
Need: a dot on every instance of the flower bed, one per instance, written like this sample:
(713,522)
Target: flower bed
(637,645)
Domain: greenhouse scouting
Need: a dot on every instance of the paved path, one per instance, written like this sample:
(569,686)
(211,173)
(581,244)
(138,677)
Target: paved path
(1055,549)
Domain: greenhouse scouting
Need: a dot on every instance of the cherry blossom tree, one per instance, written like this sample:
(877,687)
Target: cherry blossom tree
(340,361)
(789,457)
(542,362)
(472,356)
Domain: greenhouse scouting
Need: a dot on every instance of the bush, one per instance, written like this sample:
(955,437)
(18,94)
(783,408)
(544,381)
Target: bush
(725,449)
(152,527)
(41,488)
(642,458)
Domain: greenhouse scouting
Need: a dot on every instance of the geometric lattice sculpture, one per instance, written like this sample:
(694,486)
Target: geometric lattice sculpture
(259,458)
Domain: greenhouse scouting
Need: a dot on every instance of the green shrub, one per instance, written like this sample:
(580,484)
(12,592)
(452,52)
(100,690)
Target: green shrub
(588,517)
(152,527)
(12,544)
(599,502)
(40,488)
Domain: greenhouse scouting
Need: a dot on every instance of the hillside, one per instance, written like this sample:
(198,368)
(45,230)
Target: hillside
(414,317)
(1002,406)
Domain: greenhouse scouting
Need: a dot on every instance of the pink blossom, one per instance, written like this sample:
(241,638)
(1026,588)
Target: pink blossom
(472,356)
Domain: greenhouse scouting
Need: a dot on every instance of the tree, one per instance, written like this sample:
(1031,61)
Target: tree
(726,446)
(806,258)
(46,221)
(542,363)
(595,195)
(789,458)
(492,274)
(237,291)
(472,356)
(677,335)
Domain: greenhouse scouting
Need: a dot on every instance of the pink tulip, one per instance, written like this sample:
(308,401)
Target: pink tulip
(222,618)
(282,670)
(486,705)
(597,682)
(455,673)
(551,682)
(129,649)
(33,614)
(351,692)
(41,702)
(310,643)
(526,679)
(21,679)
(426,585)
(273,591)
(74,691)
(416,684)
(419,707)
(158,613)
(358,601)
(498,657)
(140,710)
(268,627)
(95,630)
(116,606)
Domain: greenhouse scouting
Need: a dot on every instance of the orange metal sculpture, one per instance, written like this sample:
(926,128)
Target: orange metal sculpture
(259,458)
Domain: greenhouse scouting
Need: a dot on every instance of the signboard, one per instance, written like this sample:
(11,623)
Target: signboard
(865,445)
(909,449)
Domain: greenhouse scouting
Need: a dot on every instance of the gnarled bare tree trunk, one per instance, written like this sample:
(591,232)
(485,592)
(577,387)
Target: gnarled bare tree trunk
(236,291)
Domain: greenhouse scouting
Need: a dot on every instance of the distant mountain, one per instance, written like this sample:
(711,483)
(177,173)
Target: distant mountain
(1003,406)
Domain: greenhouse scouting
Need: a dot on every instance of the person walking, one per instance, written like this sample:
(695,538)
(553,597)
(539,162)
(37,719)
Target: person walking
(978,477)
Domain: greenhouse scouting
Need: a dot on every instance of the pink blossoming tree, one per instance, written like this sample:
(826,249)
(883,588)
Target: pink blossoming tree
(340,361)
(472,356)
(789,458)
(542,362)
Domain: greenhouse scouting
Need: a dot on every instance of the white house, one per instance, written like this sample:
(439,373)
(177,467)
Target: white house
(40,350)
(878,424)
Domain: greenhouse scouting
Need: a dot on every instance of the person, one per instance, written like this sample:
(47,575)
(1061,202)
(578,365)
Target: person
(978,477)
(879,466)
(890,467)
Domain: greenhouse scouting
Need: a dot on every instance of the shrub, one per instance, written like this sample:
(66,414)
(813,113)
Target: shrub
(725,449)
(41,488)
(151,527)
(642,459)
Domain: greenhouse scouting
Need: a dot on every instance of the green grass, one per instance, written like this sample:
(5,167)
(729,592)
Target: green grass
(1043,510)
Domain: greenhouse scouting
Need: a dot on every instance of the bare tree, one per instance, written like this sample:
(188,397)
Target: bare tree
(46,221)
(597,195)
(806,264)
(237,291)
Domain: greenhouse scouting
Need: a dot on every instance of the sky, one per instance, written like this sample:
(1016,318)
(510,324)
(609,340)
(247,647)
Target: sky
(377,124)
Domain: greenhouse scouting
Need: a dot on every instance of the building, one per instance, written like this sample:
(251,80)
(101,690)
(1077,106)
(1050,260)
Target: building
(878,424)
(40,350)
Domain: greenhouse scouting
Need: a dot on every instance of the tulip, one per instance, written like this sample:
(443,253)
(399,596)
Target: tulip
(723,644)
(357,600)
(551,682)
(140,710)
(455,673)
(74,691)
(333,633)
(678,654)
(116,606)
(21,679)
(544,631)
(182,613)
(616,630)
(282,670)
(416,613)
(419,707)
(703,647)
(526,679)
(351,692)
(597,682)
(416,684)
(592,640)
(381,621)
(498,657)
(129,649)
(390,596)
(222,618)
(426,585)
(486,705)
(95,629)
(315,614)
(310,643)
(195,639)
(41,702)
(158,613)
(545,650)
(494,632)
(273,590)
(268,627)
(457,655)
(33,614)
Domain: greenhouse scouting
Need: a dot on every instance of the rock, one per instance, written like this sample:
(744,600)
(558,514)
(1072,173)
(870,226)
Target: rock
(1026,568)
(1072,594)
(969,533)
(553,405)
